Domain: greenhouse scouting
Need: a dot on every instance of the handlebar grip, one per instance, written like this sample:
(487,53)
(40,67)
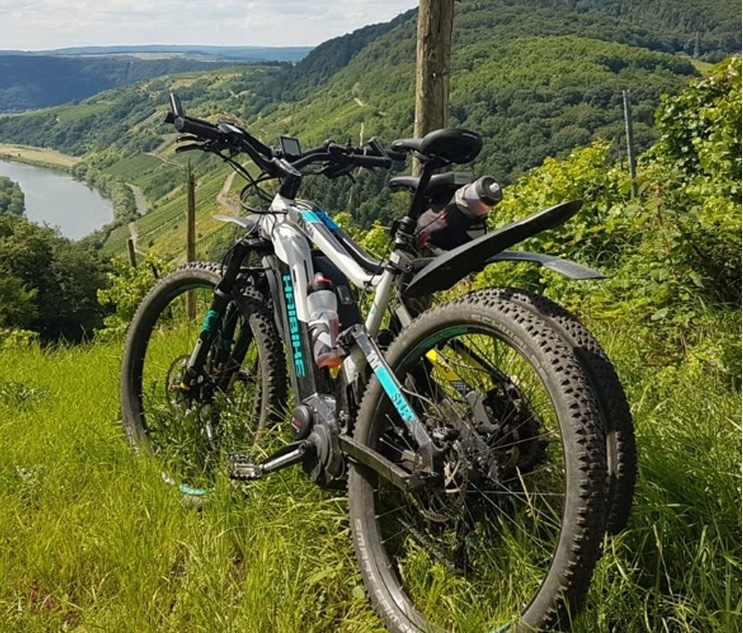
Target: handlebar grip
(202,129)
(372,161)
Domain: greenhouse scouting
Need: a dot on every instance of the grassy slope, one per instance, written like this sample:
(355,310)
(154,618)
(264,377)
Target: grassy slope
(91,537)
(371,94)
(352,105)
(38,156)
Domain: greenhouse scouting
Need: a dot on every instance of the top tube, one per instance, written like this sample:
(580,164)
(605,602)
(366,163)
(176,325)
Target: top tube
(318,227)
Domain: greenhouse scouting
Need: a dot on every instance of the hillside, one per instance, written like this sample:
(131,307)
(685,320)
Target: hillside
(32,81)
(94,540)
(535,77)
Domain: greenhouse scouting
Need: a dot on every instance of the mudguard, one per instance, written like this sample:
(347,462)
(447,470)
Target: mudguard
(557,264)
(444,271)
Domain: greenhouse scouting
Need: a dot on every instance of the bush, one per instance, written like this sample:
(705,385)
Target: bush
(127,286)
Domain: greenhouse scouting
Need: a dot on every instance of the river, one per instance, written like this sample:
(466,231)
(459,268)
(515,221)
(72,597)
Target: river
(57,199)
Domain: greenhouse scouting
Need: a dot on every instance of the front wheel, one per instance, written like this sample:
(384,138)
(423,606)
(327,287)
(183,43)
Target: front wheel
(506,532)
(241,390)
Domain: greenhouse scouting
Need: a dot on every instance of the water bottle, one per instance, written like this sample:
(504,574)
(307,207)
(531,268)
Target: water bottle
(322,305)
(477,198)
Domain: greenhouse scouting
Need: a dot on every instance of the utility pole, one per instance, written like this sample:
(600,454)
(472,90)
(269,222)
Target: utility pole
(435,24)
(190,235)
(630,141)
(132,253)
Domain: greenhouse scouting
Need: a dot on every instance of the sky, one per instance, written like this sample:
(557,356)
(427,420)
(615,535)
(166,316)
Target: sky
(48,24)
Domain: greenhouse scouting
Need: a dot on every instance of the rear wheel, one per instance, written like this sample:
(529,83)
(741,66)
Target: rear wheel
(506,532)
(621,455)
(239,397)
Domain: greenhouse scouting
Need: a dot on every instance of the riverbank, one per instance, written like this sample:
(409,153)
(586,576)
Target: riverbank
(123,199)
(38,156)
(55,197)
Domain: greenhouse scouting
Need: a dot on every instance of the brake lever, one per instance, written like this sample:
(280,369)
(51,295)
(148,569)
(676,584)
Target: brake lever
(188,137)
(334,170)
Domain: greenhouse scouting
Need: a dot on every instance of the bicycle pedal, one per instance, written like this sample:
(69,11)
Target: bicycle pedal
(243,467)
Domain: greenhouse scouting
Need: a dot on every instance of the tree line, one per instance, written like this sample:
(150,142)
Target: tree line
(12,199)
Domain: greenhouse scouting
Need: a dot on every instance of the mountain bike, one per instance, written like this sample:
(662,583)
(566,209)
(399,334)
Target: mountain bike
(485,441)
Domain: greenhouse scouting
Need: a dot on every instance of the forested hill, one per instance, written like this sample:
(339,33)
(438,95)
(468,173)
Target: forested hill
(536,78)
(706,30)
(30,81)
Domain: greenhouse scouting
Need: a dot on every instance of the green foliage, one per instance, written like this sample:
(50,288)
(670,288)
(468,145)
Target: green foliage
(15,337)
(12,199)
(700,131)
(17,303)
(672,254)
(48,284)
(697,175)
(127,286)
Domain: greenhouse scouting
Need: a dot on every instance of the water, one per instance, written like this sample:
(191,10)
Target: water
(58,200)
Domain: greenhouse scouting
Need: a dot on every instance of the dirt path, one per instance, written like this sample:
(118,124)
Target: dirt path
(139,198)
(167,161)
(141,203)
(223,197)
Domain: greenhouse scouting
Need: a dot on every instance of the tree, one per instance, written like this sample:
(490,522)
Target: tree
(48,283)
(12,199)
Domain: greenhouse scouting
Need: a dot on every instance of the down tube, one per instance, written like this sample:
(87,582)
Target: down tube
(305,377)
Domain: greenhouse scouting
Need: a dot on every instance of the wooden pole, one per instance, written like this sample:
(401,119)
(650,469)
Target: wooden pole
(132,253)
(190,235)
(435,24)
(630,141)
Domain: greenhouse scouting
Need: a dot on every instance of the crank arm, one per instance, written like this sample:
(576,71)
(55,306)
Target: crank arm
(386,469)
(245,468)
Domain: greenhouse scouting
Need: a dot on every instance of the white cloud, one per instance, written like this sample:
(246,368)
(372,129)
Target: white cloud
(45,24)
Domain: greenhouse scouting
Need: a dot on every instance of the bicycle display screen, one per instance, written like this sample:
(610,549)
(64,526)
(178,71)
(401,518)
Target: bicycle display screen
(290,146)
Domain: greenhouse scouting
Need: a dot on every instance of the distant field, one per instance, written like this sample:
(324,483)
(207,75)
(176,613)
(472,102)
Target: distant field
(70,114)
(702,67)
(38,156)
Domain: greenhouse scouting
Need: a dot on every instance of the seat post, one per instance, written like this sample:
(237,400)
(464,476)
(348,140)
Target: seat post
(416,204)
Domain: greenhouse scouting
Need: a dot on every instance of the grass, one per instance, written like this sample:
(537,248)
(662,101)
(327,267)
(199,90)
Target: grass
(91,539)
(134,167)
(38,156)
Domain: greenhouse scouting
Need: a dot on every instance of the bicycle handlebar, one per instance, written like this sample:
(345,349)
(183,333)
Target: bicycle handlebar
(228,135)
(202,129)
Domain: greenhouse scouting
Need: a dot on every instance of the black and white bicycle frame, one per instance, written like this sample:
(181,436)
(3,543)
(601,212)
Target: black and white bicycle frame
(291,226)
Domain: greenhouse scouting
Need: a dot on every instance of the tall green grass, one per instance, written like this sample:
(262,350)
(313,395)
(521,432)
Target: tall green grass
(92,539)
